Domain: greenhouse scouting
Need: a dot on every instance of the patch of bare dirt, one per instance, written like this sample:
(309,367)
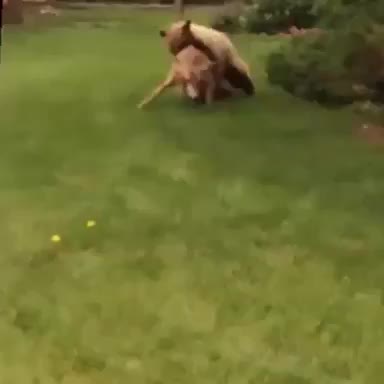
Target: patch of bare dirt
(372,134)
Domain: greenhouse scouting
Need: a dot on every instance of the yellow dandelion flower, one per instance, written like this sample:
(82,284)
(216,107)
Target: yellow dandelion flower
(55,238)
(91,223)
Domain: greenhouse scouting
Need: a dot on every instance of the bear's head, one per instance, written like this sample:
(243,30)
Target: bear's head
(178,36)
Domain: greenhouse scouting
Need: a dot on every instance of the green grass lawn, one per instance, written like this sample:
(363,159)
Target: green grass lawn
(241,243)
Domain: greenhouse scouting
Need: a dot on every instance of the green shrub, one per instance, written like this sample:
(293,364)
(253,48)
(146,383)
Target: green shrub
(344,65)
(301,69)
(273,16)
(229,18)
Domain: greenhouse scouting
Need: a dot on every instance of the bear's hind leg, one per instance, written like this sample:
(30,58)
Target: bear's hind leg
(238,79)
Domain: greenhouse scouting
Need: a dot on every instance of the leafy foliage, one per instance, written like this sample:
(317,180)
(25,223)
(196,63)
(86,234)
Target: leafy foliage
(229,18)
(278,15)
(343,65)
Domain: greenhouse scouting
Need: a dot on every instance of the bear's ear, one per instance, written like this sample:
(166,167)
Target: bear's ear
(162,33)
(187,26)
